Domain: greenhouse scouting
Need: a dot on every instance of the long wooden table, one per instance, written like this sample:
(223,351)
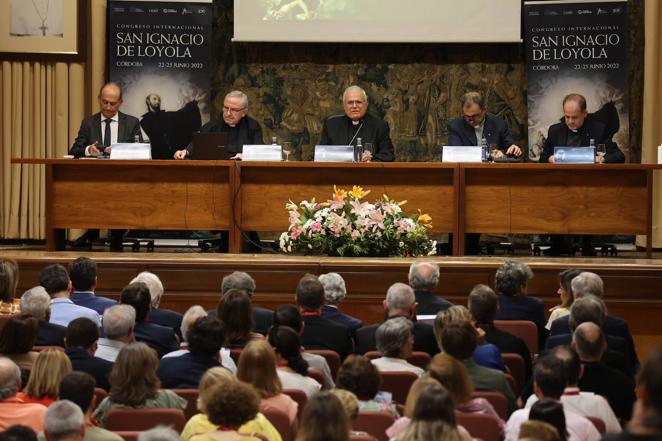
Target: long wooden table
(239,197)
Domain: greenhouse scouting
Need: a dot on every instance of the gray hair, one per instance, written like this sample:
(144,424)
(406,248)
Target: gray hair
(471,98)
(511,277)
(10,378)
(238,280)
(117,320)
(587,283)
(36,302)
(392,335)
(63,419)
(159,433)
(587,309)
(334,287)
(400,296)
(153,283)
(423,276)
(238,94)
(354,88)
(190,316)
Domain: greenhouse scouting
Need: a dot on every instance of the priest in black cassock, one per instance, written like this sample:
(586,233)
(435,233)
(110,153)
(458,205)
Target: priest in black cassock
(356,123)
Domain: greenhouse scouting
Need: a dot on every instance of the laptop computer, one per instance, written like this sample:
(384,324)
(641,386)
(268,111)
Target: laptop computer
(210,146)
(574,155)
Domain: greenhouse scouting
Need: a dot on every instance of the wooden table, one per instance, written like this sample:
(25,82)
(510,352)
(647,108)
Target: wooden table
(251,196)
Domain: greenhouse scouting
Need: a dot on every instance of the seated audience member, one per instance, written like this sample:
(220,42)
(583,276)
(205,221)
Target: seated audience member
(359,376)
(8,283)
(483,306)
(565,295)
(44,382)
(588,340)
(13,410)
(292,368)
(160,338)
(83,274)
(646,422)
(459,340)
(320,332)
(551,412)
(486,354)
(549,381)
(55,279)
(582,403)
(234,310)
(159,433)
(18,433)
(205,339)
(133,383)
(81,344)
(511,282)
(78,387)
(539,431)
(587,283)
(451,374)
(257,366)
(37,303)
(289,315)
(243,281)
(433,418)
(118,323)
(400,302)
(17,338)
(350,405)
(199,424)
(324,419)
(160,316)
(395,342)
(423,279)
(334,293)
(64,421)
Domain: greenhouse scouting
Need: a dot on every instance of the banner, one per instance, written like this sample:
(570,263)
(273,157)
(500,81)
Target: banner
(160,53)
(576,47)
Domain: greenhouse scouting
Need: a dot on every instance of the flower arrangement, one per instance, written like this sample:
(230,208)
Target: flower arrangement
(346,225)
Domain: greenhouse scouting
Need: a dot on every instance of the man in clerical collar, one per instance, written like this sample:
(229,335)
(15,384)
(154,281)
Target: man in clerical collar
(241,128)
(357,124)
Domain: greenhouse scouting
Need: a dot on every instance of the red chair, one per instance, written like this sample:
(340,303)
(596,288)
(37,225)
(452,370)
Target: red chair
(130,419)
(398,383)
(418,358)
(362,438)
(598,423)
(374,423)
(43,348)
(496,399)
(281,422)
(299,396)
(524,329)
(316,375)
(234,353)
(479,425)
(512,383)
(99,394)
(332,358)
(191,397)
(515,364)
(128,435)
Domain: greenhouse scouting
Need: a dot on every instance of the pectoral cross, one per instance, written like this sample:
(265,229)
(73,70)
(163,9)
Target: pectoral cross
(43,28)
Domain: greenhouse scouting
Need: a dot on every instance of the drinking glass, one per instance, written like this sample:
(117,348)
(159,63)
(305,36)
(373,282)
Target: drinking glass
(370,148)
(492,149)
(601,150)
(287,149)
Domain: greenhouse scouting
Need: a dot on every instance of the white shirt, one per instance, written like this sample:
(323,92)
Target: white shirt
(579,428)
(114,129)
(479,133)
(63,310)
(226,360)
(108,349)
(293,380)
(389,364)
(587,404)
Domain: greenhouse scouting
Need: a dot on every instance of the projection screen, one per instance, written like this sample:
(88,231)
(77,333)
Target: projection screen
(387,21)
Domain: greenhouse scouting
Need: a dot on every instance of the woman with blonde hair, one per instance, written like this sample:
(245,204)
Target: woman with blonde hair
(257,366)
(134,383)
(324,419)
(43,386)
(200,423)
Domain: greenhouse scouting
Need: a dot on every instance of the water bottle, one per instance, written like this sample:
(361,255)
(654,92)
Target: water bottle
(359,150)
(483,149)
(274,140)
(136,139)
(591,143)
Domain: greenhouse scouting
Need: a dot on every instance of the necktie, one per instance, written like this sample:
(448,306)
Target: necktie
(106,132)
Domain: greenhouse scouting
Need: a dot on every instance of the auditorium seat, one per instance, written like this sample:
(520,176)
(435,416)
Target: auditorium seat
(234,353)
(398,383)
(332,358)
(299,396)
(130,419)
(191,397)
(511,382)
(128,435)
(362,438)
(598,423)
(374,423)
(524,329)
(479,425)
(496,399)
(418,358)
(515,364)
(281,422)
(316,375)
(99,395)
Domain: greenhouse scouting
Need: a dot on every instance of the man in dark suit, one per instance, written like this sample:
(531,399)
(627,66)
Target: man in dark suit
(320,332)
(83,274)
(423,279)
(81,343)
(160,316)
(400,302)
(36,302)
(95,136)
(357,123)
(334,293)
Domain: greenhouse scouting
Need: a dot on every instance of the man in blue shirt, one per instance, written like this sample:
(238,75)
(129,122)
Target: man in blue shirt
(83,273)
(55,279)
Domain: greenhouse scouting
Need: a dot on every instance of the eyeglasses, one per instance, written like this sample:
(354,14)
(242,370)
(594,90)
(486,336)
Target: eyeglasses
(232,110)
(472,117)
(354,103)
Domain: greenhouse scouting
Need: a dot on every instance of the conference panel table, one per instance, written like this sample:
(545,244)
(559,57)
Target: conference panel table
(251,196)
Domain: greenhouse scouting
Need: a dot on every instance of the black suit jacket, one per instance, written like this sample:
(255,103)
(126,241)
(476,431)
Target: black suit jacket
(557,135)
(429,304)
(90,131)
(82,361)
(495,131)
(166,317)
(185,371)
(160,338)
(616,356)
(339,130)
(508,343)
(524,308)
(341,318)
(50,334)
(322,333)
(616,387)
(248,131)
(263,319)
(424,340)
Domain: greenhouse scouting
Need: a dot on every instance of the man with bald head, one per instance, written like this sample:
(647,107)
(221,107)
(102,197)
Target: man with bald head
(424,278)
(357,123)
(14,410)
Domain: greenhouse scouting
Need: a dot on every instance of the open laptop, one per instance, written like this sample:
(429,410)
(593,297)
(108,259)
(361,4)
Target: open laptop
(574,155)
(210,146)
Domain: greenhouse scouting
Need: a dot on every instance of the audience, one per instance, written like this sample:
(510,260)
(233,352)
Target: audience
(55,279)
(160,316)
(324,419)
(235,311)
(395,342)
(243,281)
(17,337)
(81,344)
(423,279)
(18,433)
(37,303)
(83,274)
(13,410)
(44,382)
(565,295)
(359,376)
(350,405)
(551,412)
(334,293)
(133,383)
(64,421)
(118,323)
(8,282)
(292,368)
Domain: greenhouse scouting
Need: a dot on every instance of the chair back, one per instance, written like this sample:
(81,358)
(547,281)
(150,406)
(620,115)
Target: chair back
(511,382)
(281,422)
(371,355)
(524,329)
(418,358)
(515,364)
(128,435)
(299,396)
(374,423)
(398,383)
(362,438)
(316,375)
(130,419)
(191,397)
(99,394)
(479,425)
(332,359)
(496,399)
(598,423)
(234,353)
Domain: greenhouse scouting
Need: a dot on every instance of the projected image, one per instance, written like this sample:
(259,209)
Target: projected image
(305,10)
